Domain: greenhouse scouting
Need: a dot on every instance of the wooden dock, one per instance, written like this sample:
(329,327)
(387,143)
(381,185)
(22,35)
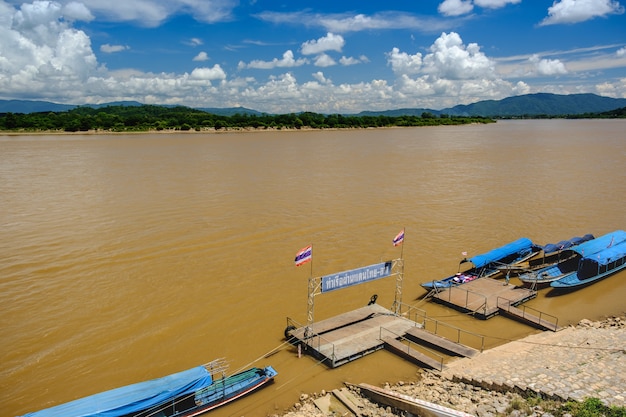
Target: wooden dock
(352,335)
(349,336)
(481,297)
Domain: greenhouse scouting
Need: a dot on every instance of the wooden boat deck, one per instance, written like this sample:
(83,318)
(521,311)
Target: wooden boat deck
(481,296)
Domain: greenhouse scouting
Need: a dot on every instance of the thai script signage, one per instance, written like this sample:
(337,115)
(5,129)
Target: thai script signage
(356,276)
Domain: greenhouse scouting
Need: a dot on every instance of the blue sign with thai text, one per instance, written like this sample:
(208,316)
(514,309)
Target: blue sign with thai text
(355,276)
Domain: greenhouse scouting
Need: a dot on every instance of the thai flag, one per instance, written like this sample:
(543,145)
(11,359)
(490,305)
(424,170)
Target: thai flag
(399,238)
(304,255)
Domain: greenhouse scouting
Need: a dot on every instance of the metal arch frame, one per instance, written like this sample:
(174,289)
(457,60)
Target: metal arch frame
(315,288)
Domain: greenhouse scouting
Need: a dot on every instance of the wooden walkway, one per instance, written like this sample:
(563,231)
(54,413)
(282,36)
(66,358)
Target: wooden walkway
(481,297)
(536,321)
(429,339)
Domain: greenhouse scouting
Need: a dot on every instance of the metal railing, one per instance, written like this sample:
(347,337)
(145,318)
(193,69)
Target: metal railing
(410,345)
(540,315)
(429,322)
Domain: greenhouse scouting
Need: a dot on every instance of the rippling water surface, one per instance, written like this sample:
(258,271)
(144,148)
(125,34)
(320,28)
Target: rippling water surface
(129,257)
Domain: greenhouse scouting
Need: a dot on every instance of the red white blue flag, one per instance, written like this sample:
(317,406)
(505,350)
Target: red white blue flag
(304,255)
(399,238)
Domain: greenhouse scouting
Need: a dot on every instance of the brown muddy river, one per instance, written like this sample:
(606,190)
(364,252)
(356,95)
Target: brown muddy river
(130,257)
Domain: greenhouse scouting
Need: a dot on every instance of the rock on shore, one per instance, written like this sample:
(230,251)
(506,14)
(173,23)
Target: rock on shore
(586,360)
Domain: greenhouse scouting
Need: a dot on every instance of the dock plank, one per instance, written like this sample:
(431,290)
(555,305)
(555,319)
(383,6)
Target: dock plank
(419,335)
(411,354)
(529,318)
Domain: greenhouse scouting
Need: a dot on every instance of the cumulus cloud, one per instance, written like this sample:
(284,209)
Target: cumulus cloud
(461,7)
(575,11)
(109,49)
(323,60)
(346,61)
(547,66)
(208,74)
(202,56)
(286,61)
(455,7)
(77,11)
(449,58)
(403,63)
(330,42)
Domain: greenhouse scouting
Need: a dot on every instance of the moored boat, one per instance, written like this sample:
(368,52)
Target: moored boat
(488,264)
(185,394)
(550,254)
(543,277)
(593,268)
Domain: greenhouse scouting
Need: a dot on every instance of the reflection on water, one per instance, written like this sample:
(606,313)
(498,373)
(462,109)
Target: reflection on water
(129,257)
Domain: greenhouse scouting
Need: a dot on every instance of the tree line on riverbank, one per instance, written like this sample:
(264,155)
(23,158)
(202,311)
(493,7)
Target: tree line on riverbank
(159,118)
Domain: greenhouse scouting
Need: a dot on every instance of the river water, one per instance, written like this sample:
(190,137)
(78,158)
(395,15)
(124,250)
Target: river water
(130,257)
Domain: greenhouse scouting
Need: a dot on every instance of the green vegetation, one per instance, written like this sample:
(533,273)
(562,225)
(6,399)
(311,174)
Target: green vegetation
(591,407)
(146,118)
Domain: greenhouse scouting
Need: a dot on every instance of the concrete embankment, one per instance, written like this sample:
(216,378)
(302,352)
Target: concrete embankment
(578,362)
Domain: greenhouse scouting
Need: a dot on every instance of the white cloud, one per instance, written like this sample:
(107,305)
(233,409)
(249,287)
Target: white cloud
(575,11)
(109,49)
(77,11)
(286,62)
(208,74)
(202,56)
(495,4)
(330,42)
(195,42)
(403,63)
(621,52)
(152,13)
(547,66)
(343,23)
(346,61)
(449,58)
(455,7)
(323,60)
(319,76)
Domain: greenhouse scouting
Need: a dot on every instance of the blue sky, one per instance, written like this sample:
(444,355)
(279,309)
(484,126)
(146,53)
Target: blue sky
(323,56)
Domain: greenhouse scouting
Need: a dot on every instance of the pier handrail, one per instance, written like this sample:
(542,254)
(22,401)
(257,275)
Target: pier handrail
(459,331)
(540,315)
(314,337)
(410,310)
(397,336)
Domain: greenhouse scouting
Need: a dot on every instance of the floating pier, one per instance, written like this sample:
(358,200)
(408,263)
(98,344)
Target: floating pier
(349,336)
(352,335)
(482,296)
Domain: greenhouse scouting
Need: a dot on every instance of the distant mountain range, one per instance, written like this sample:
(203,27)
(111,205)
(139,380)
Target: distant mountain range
(542,104)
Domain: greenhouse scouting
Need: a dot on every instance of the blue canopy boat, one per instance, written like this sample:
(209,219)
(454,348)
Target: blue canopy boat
(488,264)
(594,267)
(543,277)
(184,394)
(550,254)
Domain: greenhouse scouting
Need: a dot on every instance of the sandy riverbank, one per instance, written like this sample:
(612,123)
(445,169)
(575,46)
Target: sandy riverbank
(578,362)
